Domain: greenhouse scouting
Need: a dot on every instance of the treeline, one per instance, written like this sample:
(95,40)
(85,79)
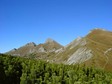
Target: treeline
(16,70)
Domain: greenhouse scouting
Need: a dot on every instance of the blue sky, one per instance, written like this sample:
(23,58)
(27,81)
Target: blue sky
(23,21)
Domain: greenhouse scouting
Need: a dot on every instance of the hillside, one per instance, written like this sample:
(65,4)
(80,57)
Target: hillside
(93,49)
(40,51)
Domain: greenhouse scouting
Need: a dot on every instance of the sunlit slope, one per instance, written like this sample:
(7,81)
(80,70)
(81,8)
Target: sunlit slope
(95,49)
(100,42)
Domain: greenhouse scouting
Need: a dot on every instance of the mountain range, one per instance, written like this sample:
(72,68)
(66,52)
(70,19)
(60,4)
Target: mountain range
(95,49)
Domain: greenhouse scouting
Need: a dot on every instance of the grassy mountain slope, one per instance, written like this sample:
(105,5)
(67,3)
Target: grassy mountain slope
(100,42)
(93,49)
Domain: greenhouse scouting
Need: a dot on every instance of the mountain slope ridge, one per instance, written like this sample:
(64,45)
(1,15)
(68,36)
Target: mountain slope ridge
(93,49)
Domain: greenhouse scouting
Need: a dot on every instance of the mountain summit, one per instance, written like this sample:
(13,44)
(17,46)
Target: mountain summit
(30,44)
(40,50)
(49,40)
(93,49)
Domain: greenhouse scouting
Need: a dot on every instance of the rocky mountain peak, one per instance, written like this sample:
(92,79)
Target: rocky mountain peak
(14,49)
(31,44)
(78,41)
(49,40)
(95,47)
(97,30)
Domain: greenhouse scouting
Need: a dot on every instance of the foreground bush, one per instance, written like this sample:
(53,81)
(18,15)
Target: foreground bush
(16,70)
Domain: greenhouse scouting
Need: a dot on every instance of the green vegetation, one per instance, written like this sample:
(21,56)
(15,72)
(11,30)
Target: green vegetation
(16,70)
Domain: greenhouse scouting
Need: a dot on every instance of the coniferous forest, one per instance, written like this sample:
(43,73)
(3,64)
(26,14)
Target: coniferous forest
(17,70)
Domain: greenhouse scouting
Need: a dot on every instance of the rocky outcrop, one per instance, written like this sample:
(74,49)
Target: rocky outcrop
(81,55)
(41,49)
(49,40)
(30,44)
